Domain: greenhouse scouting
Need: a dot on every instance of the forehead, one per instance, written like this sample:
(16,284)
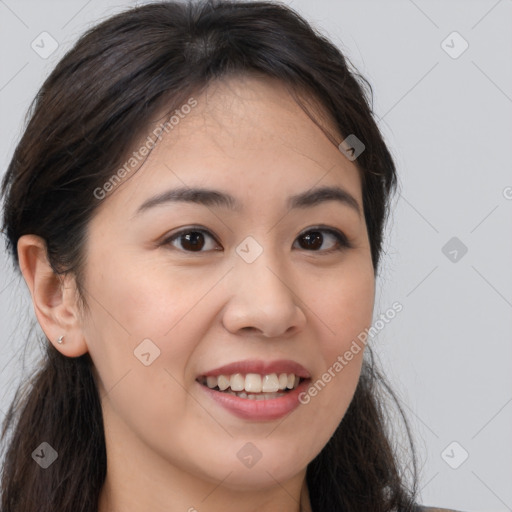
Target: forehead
(243,133)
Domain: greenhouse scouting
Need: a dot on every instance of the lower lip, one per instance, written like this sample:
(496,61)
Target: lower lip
(264,410)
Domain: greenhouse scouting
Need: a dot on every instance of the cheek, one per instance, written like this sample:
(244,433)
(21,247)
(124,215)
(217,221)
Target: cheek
(344,306)
(129,307)
(144,298)
(138,317)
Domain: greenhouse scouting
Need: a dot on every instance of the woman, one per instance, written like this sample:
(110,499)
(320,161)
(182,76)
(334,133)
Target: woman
(197,207)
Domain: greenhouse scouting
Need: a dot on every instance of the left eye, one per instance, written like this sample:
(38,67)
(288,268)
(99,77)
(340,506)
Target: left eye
(314,238)
(193,240)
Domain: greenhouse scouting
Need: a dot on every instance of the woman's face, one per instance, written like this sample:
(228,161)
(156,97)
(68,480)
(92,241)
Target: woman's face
(187,294)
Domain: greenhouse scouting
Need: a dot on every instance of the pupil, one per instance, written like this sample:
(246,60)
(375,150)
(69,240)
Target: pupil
(192,240)
(313,237)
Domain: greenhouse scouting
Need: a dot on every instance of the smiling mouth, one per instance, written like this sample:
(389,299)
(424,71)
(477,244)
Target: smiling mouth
(253,386)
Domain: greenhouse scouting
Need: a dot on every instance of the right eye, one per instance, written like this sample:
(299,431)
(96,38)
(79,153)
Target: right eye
(191,239)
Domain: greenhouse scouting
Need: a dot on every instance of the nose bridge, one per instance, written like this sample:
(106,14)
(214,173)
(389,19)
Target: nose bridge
(262,296)
(261,270)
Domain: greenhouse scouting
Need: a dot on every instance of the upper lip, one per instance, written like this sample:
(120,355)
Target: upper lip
(261,367)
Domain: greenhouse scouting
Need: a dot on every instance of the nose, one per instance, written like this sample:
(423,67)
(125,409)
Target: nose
(264,299)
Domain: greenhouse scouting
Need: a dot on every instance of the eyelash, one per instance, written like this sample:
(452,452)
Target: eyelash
(342,241)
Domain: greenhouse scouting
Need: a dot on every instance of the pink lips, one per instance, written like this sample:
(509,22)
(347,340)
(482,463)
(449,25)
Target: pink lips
(258,410)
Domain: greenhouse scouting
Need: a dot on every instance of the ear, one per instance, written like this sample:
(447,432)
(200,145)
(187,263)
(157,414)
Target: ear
(54,297)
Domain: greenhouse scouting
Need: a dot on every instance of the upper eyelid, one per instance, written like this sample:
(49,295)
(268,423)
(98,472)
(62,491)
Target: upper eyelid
(189,229)
(330,230)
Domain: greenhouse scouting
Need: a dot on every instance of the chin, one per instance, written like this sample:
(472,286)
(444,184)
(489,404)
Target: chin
(256,478)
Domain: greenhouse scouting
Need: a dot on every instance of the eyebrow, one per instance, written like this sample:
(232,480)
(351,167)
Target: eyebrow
(215,198)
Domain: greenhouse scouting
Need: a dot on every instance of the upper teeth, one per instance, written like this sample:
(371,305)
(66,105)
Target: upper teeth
(253,382)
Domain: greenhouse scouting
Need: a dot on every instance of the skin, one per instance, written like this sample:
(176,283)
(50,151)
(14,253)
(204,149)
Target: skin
(169,446)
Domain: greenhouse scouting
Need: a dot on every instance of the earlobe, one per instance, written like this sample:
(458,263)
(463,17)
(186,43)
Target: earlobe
(53,297)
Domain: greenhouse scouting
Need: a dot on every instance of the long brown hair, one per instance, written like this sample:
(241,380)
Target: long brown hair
(86,116)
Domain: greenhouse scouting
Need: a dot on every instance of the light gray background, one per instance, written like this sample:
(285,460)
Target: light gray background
(449,125)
